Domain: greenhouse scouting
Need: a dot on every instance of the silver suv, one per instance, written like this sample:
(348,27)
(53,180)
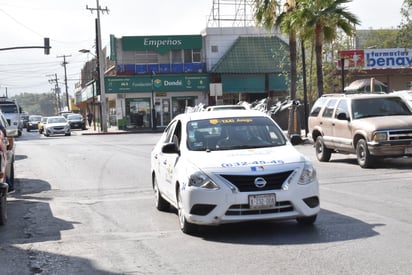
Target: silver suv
(372,126)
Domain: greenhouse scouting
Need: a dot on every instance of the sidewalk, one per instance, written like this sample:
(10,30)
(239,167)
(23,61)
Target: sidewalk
(114,130)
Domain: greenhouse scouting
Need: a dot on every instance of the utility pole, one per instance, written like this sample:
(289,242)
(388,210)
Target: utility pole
(65,79)
(101,60)
(56,91)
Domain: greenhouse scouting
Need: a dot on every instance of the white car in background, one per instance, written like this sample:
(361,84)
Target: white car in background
(406,94)
(56,125)
(229,166)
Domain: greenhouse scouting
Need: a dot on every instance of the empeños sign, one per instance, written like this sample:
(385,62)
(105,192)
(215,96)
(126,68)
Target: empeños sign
(161,44)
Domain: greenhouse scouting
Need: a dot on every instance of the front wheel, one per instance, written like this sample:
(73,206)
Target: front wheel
(323,154)
(185,226)
(365,160)
(160,202)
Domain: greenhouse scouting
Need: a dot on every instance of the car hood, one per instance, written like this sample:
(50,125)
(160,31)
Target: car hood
(56,124)
(245,159)
(383,123)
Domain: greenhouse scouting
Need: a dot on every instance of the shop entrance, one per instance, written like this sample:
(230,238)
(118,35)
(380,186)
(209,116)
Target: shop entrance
(163,112)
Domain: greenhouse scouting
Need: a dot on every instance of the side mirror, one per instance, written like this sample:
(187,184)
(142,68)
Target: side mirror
(342,116)
(170,148)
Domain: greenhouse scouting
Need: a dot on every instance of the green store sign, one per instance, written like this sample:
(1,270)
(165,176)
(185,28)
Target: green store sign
(169,83)
(161,44)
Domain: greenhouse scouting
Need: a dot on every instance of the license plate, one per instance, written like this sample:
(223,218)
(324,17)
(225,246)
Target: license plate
(264,201)
(408,150)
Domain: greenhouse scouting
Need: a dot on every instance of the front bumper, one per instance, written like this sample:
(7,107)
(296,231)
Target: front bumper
(58,131)
(390,149)
(213,207)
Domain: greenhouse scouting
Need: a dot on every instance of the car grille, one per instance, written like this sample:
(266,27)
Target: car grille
(400,134)
(58,128)
(243,209)
(246,183)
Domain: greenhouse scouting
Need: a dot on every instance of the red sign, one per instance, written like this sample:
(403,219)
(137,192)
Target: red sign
(352,59)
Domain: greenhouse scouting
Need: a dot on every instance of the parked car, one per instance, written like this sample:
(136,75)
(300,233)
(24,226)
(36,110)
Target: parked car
(40,126)
(406,94)
(231,166)
(76,121)
(24,120)
(225,107)
(7,149)
(56,125)
(33,123)
(372,126)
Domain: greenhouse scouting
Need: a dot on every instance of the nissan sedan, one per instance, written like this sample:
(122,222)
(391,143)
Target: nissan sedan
(231,166)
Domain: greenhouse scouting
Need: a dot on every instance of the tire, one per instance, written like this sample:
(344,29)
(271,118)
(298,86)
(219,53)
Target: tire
(307,220)
(68,134)
(160,203)
(3,209)
(365,160)
(323,154)
(185,226)
(28,130)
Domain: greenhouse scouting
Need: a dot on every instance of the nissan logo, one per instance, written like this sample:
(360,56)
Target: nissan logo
(260,182)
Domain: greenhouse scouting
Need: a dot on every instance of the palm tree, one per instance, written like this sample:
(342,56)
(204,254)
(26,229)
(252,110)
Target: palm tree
(323,18)
(266,13)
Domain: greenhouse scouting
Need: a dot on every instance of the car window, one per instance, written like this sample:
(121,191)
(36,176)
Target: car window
(8,108)
(168,133)
(34,118)
(382,106)
(330,106)
(233,133)
(342,108)
(317,106)
(56,120)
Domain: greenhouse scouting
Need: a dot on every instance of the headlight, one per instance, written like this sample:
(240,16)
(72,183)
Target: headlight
(308,174)
(380,136)
(201,180)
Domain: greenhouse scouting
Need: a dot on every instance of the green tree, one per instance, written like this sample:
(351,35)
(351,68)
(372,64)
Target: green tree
(404,38)
(39,104)
(267,13)
(322,19)
(383,38)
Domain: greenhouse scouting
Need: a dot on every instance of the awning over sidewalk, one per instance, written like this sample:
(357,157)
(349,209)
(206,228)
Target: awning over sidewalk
(364,86)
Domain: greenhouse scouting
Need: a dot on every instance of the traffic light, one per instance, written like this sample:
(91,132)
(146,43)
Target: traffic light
(46,45)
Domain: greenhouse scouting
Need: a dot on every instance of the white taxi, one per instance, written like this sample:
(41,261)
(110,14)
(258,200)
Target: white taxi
(231,166)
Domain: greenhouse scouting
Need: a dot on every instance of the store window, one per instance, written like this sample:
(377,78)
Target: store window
(180,103)
(177,56)
(137,112)
(192,56)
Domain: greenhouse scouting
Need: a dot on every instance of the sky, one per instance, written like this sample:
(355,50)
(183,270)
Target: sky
(70,25)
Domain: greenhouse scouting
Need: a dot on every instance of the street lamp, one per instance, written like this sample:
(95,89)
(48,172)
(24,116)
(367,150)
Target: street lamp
(93,99)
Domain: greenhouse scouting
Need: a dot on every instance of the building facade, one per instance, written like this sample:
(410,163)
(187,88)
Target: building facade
(155,78)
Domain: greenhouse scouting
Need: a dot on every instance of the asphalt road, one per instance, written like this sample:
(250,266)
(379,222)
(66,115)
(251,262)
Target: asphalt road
(84,205)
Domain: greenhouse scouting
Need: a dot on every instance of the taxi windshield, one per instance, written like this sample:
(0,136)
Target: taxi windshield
(233,133)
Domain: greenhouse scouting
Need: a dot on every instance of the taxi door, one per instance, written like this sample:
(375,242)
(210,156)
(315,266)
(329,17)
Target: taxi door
(167,162)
